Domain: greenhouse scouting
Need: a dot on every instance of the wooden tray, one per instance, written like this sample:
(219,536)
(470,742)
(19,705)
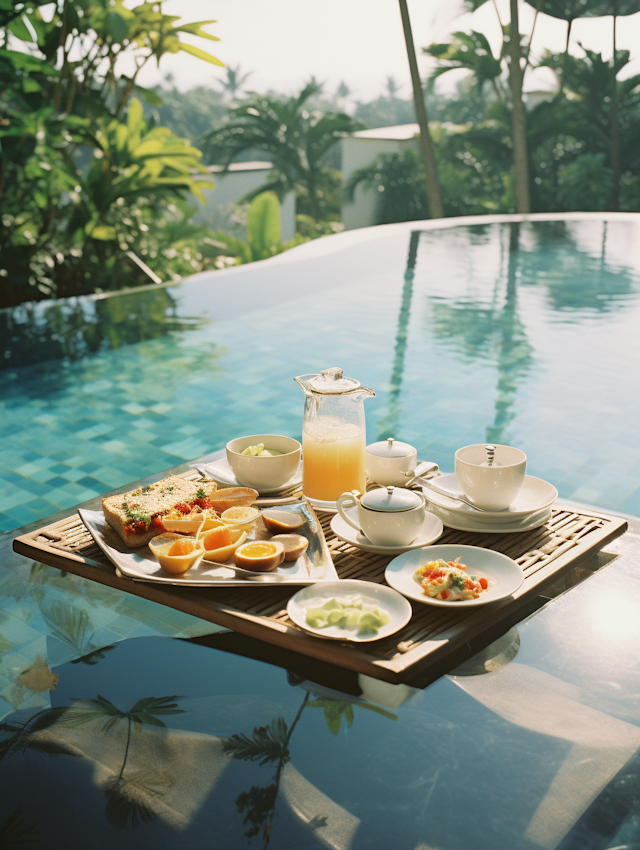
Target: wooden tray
(427,647)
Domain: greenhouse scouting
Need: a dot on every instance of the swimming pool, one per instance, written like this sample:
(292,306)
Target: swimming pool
(489,329)
(475,331)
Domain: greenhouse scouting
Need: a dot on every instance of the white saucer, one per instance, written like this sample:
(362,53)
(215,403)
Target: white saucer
(535,495)
(463,522)
(221,472)
(431,530)
(320,505)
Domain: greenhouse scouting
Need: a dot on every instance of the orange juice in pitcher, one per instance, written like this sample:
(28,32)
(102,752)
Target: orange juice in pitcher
(334,459)
(333,435)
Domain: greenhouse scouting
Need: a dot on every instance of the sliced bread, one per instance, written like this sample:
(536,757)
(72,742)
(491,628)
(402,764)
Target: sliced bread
(136,515)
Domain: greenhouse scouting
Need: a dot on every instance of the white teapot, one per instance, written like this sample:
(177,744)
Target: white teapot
(387,516)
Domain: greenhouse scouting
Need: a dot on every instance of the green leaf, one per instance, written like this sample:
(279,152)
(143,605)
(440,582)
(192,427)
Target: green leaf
(24,62)
(101,231)
(135,116)
(196,29)
(29,85)
(263,225)
(152,98)
(348,713)
(118,27)
(200,54)
(332,716)
(20,29)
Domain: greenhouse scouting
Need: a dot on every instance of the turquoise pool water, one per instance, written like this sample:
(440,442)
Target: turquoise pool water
(112,734)
(515,333)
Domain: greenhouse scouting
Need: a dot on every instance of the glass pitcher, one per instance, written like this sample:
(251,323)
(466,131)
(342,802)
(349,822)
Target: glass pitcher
(333,435)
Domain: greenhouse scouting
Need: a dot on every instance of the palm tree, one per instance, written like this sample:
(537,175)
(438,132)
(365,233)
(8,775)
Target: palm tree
(569,11)
(295,138)
(235,81)
(426,143)
(469,52)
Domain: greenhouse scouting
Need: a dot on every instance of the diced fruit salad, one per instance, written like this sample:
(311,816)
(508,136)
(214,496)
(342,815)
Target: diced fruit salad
(349,613)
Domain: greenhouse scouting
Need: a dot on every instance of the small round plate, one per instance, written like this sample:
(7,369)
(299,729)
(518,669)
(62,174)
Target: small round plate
(505,575)
(535,495)
(430,531)
(373,595)
(320,505)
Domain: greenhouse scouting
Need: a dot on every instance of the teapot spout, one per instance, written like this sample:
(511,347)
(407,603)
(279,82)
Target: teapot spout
(301,381)
(363,392)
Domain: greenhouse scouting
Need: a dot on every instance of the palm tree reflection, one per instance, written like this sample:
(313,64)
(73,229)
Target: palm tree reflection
(388,425)
(270,745)
(492,331)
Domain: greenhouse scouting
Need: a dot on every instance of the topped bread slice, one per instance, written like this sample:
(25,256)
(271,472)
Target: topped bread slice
(137,515)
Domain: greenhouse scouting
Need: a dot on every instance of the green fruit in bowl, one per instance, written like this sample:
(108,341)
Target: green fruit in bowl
(260,451)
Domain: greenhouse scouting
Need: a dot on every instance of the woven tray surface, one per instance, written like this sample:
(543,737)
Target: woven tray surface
(567,533)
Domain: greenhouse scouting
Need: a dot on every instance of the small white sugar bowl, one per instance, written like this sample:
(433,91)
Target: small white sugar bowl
(389,461)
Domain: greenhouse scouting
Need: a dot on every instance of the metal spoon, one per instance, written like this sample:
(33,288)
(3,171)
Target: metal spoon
(268,578)
(430,486)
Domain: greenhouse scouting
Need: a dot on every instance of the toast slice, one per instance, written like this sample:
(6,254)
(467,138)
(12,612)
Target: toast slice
(137,515)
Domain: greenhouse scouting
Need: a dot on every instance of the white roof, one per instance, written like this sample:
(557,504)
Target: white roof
(400,131)
(244,166)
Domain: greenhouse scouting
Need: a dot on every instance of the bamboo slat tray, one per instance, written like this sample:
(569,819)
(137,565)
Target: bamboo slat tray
(428,646)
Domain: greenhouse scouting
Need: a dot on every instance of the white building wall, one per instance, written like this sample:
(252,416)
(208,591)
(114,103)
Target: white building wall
(358,151)
(231,186)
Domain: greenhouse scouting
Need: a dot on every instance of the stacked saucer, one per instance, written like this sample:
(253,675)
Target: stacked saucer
(531,508)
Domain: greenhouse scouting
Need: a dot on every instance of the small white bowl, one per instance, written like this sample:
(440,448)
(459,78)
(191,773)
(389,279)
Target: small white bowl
(264,473)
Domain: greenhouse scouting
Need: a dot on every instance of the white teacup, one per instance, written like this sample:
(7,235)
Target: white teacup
(387,516)
(492,487)
(389,461)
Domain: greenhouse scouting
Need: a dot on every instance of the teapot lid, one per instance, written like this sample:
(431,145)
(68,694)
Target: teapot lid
(391,448)
(391,499)
(332,382)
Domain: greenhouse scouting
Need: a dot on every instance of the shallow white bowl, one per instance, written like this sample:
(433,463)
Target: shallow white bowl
(263,473)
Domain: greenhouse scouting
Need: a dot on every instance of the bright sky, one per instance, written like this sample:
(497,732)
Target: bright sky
(284,42)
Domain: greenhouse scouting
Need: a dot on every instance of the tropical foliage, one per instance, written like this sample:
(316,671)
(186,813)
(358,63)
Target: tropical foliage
(296,140)
(84,178)
(570,159)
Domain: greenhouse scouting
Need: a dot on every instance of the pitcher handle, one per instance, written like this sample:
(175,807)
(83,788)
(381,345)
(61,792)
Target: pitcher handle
(351,498)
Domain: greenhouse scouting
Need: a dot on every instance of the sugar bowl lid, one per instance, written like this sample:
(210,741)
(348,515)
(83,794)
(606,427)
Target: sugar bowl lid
(391,448)
(391,499)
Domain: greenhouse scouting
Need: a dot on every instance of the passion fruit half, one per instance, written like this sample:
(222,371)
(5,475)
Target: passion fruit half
(295,545)
(242,516)
(281,522)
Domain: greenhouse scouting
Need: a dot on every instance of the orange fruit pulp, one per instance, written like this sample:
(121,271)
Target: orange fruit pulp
(216,538)
(181,547)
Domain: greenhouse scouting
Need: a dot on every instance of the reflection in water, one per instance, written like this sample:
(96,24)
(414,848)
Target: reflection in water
(270,745)
(130,796)
(149,772)
(16,831)
(492,332)
(37,677)
(514,351)
(36,332)
(575,279)
(388,425)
